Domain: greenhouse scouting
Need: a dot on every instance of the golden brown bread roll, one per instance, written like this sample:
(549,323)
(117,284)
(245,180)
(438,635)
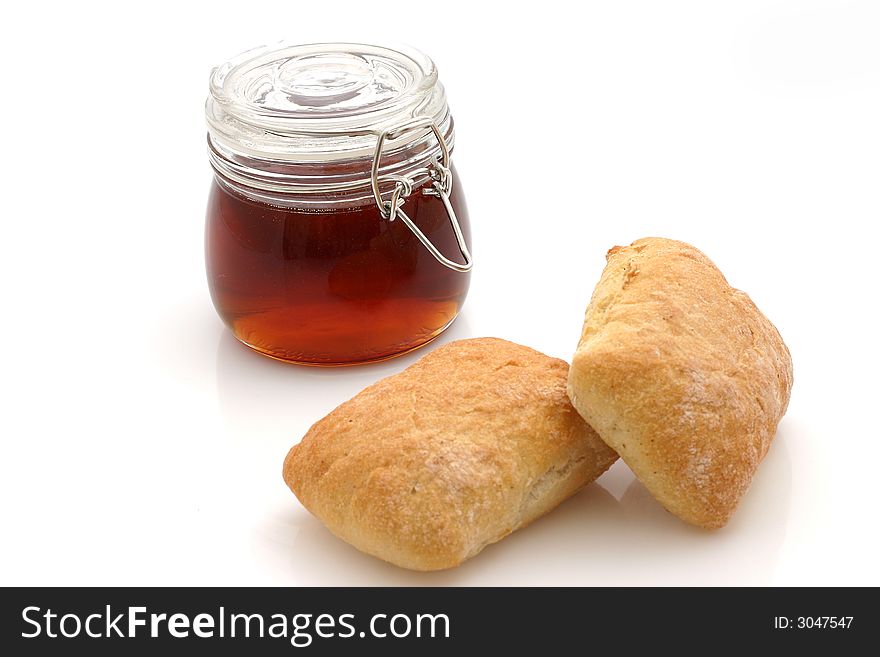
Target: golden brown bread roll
(682,375)
(426,468)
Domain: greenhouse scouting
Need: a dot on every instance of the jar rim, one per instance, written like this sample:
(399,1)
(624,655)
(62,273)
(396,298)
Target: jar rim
(321,102)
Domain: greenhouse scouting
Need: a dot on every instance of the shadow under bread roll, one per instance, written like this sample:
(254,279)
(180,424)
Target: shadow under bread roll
(427,467)
(682,375)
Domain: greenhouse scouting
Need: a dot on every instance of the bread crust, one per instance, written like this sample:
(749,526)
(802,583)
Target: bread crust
(682,376)
(425,468)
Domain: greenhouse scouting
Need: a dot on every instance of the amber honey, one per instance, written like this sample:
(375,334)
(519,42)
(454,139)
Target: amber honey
(329,288)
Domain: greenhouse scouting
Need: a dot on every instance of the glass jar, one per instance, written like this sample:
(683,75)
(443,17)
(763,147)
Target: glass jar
(336,228)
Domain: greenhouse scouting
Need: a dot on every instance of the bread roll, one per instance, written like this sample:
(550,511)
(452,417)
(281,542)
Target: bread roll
(426,468)
(682,375)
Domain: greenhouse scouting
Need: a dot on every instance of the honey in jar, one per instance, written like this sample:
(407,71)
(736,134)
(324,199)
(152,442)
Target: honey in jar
(336,228)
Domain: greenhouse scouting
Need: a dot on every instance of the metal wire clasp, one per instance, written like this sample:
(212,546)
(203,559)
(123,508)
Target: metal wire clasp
(441,186)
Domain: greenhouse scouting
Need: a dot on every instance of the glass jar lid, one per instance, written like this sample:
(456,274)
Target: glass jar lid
(322,102)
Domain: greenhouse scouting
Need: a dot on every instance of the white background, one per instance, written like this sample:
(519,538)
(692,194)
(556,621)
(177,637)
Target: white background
(142,445)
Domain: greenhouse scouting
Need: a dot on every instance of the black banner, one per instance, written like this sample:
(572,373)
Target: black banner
(113,621)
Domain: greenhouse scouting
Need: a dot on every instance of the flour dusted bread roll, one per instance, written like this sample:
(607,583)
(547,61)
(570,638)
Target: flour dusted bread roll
(426,468)
(682,375)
